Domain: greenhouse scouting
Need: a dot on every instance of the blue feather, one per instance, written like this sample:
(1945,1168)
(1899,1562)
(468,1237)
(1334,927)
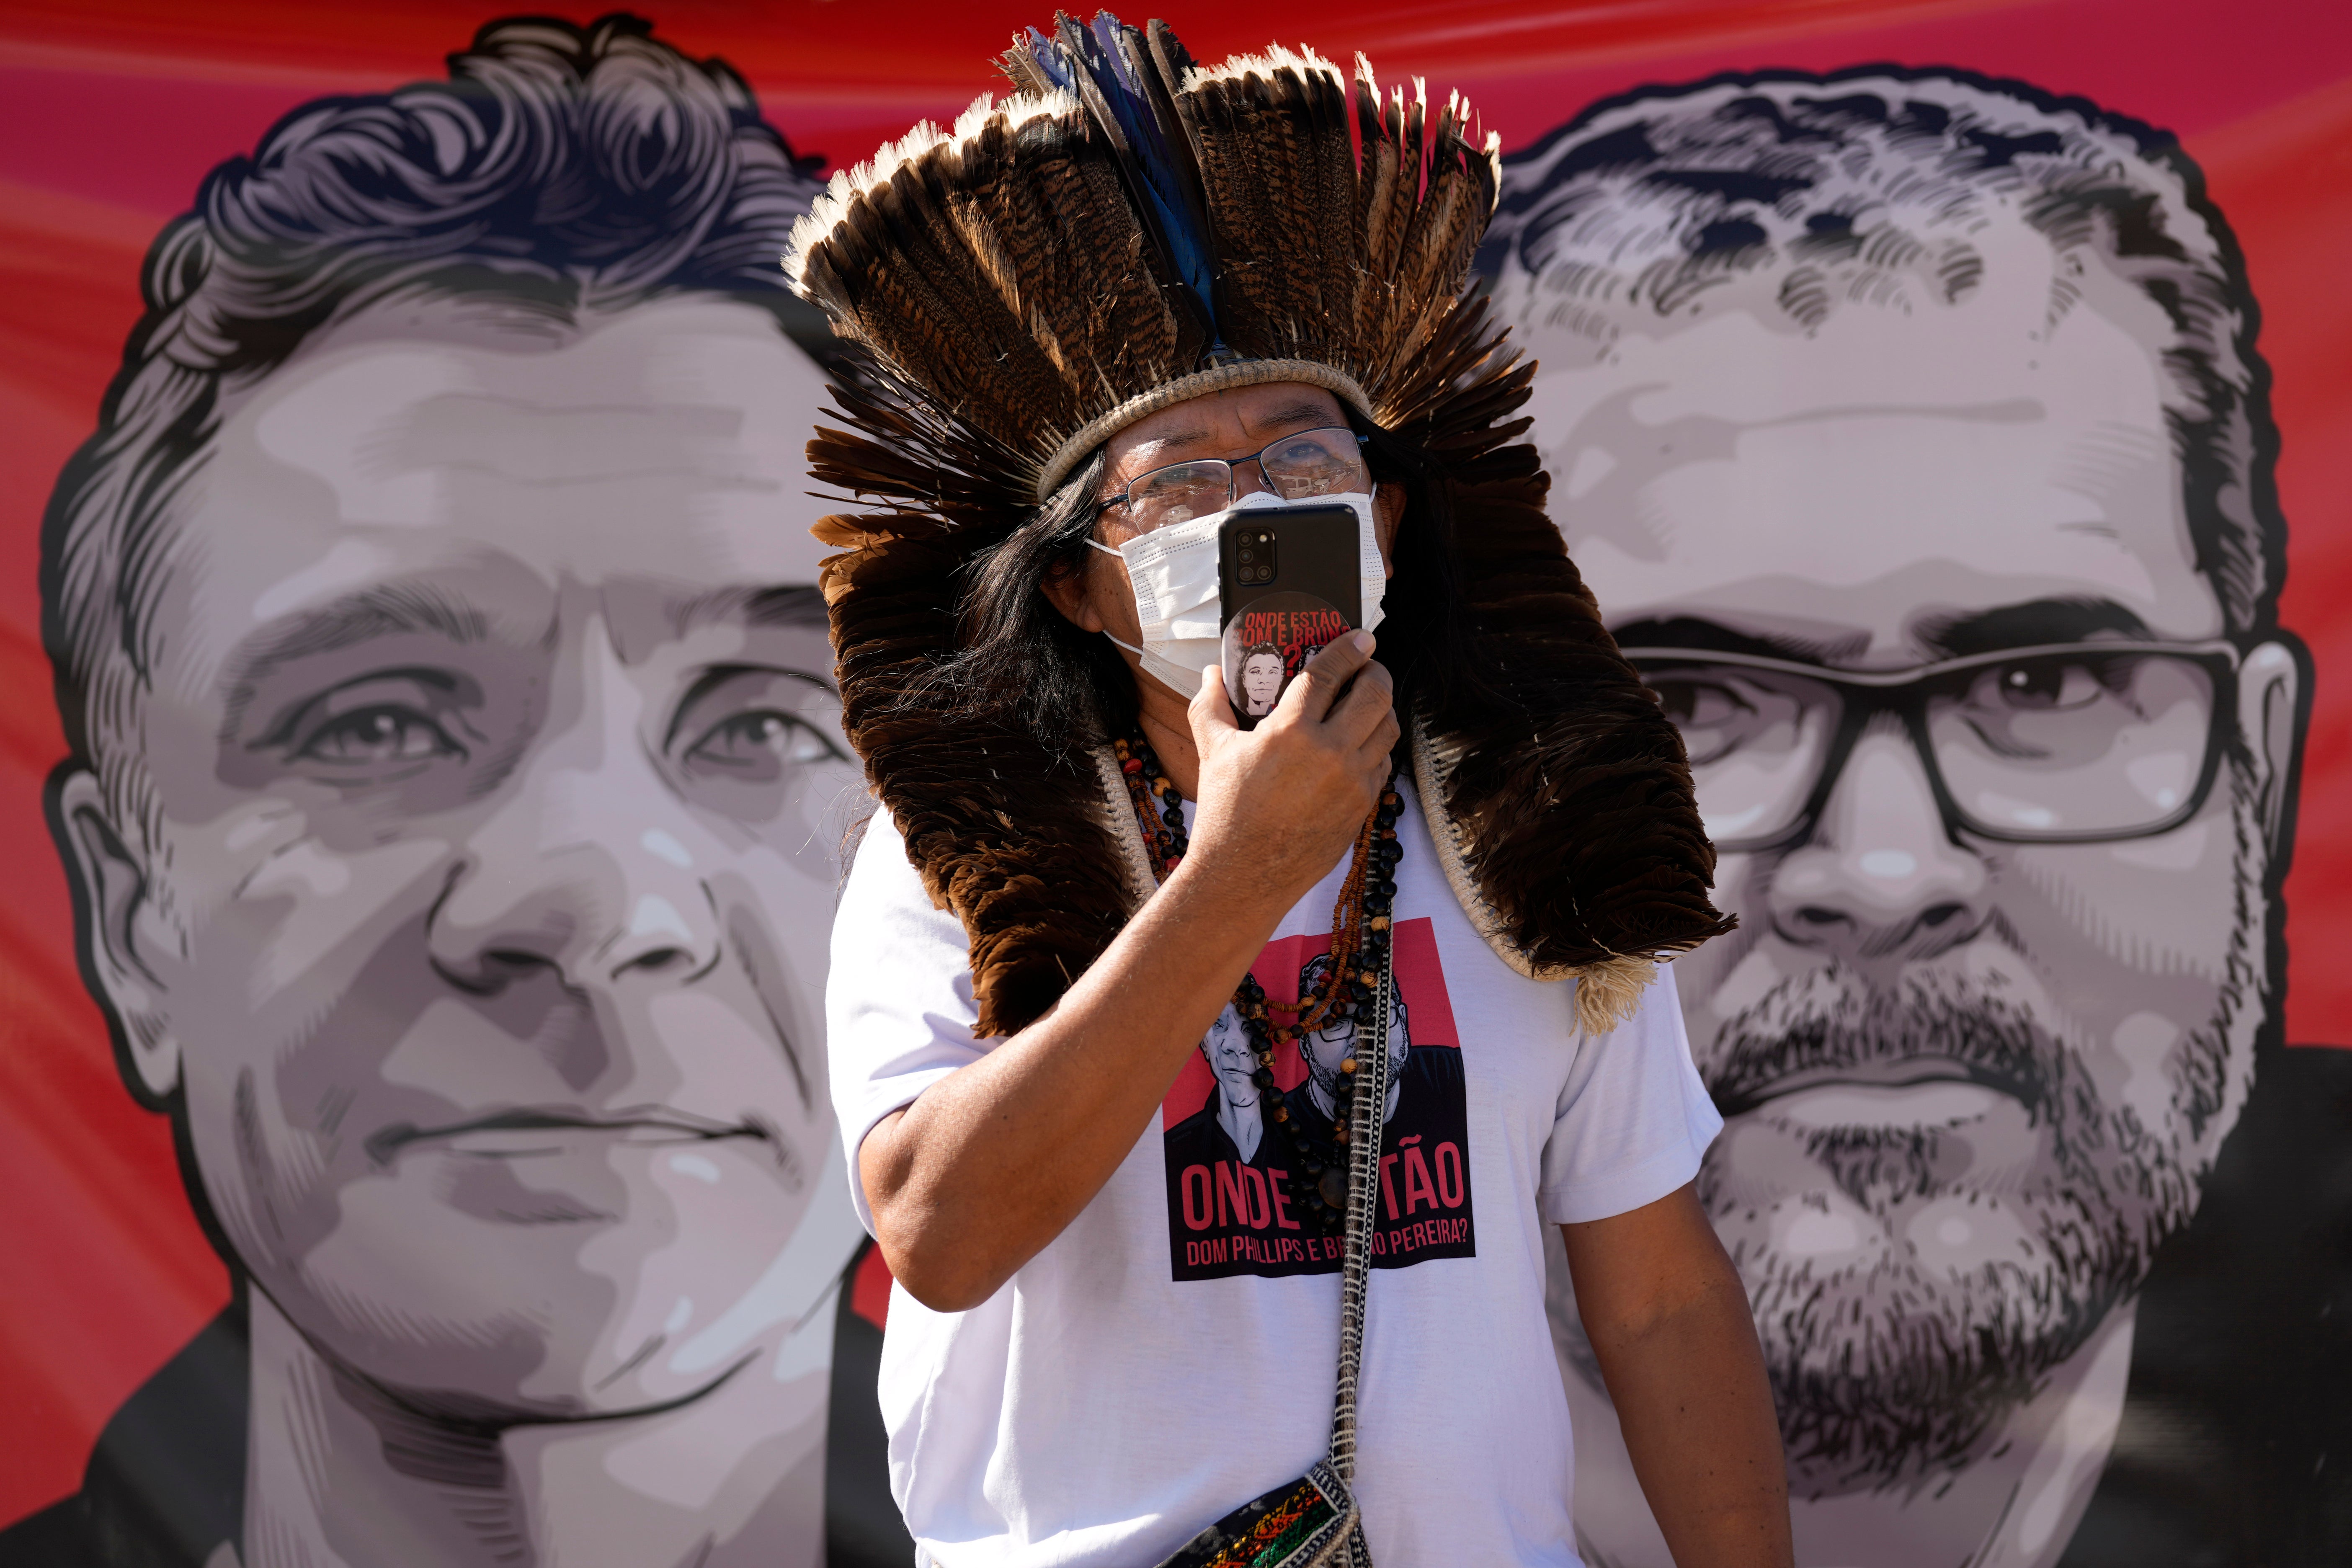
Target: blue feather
(1163,181)
(1158,177)
(1050,63)
(1126,94)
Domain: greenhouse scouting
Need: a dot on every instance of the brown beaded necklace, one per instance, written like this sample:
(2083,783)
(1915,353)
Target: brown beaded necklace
(1360,924)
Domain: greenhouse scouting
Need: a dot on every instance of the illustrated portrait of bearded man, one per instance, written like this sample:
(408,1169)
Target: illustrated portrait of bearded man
(1912,428)
(1324,1047)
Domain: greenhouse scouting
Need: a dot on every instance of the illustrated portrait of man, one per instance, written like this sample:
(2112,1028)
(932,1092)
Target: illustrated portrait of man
(1333,1042)
(1425,1123)
(1231,1125)
(455,806)
(1911,431)
(1261,671)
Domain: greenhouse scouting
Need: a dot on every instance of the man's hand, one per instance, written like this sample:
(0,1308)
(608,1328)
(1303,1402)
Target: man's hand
(1670,1325)
(1284,801)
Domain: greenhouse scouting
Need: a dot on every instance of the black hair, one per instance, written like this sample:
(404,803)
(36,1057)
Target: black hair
(1018,660)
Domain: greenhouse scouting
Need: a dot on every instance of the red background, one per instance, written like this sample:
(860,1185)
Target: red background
(111,111)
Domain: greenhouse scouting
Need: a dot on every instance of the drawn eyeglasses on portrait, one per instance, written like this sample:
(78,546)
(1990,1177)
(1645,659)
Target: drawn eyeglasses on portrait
(2059,744)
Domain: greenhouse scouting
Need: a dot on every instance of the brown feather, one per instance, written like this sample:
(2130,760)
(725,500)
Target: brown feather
(1000,293)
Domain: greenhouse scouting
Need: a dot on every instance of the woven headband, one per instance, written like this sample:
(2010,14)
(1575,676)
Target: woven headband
(1222,378)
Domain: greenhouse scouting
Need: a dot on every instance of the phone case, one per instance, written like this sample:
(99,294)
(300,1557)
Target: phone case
(1287,584)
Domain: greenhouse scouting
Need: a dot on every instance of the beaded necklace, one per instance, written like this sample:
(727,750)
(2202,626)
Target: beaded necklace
(1361,921)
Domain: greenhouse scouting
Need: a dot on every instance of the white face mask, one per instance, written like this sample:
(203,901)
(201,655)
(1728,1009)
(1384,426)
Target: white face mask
(1173,573)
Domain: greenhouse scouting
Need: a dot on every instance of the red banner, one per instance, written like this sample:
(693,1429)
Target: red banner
(114,112)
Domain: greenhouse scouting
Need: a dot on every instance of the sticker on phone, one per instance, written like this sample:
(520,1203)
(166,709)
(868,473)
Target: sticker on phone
(1268,643)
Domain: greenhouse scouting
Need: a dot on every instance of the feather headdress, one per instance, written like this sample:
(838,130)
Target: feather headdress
(1128,230)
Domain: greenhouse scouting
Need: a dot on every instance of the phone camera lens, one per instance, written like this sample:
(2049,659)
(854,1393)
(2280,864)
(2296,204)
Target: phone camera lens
(1249,554)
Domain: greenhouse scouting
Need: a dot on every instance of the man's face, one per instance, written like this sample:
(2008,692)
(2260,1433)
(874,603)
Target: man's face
(499,807)
(1325,1047)
(1972,1083)
(1261,680)
(1235,422)
(1227,1047)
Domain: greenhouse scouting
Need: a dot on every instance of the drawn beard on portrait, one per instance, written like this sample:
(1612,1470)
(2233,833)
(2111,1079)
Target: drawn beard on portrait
(1884,1370)
(1321,1052)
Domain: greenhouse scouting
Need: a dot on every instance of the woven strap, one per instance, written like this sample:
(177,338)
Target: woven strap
(1366,1118)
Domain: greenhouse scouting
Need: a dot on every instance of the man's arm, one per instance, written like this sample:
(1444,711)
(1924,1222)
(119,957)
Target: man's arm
(990,1162)
(1669,1324)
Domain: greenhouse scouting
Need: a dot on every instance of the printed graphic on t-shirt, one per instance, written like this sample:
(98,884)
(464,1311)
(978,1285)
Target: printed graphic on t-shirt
(1236,1185)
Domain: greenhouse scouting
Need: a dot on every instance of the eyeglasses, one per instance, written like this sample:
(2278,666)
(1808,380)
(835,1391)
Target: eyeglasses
(2065,743)
(1304,464)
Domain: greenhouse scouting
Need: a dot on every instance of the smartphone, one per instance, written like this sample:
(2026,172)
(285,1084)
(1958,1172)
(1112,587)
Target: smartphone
(1287,584)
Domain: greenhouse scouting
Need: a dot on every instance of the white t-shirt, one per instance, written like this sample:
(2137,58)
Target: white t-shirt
(1169,1356)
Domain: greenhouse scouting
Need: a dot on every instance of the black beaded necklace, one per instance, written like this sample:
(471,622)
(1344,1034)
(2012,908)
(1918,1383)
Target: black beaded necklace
(1361,922)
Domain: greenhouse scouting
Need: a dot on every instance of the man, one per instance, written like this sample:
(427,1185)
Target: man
(1231,1125)
(1426,1177)
(1328,1047)
(454,808)
(1217,1179)
(1261,672)
(1102,321)
(1914,439)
